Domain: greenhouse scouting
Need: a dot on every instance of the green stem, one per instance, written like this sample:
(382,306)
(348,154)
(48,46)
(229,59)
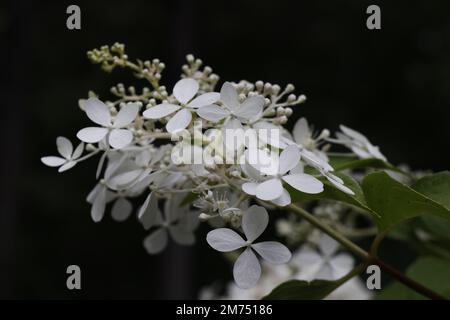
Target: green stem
(330,231)
(368,258)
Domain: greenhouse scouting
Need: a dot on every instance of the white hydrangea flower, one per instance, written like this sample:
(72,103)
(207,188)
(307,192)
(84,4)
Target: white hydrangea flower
(358,143)
(68,155)
(272,188)
(98,112)
(100,195)
(271,134)
(249,110)
(184,91)
(304,137)
(178,222)
(247,268)
(324,264)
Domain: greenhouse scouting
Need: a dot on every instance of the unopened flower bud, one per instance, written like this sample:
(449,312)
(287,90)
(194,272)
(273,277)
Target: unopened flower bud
(280,111)
(204,217)
(259,85)
(291,98)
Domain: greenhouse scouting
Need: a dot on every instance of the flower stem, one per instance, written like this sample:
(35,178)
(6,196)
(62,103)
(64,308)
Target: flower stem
(367,257)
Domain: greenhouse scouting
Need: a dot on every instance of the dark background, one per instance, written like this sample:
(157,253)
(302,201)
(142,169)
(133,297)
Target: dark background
(392,84)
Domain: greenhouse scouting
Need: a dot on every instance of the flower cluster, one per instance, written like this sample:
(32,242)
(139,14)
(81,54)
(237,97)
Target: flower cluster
(146,144)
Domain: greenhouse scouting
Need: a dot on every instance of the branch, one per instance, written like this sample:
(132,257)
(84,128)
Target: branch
(399,276)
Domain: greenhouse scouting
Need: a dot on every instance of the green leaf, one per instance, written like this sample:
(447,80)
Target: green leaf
(303,290)
(437,227)
(433,273)
(337,160)
(332,193)
(342,162)
(395,201)
(436,187)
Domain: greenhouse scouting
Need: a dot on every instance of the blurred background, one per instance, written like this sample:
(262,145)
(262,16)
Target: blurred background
(392,84)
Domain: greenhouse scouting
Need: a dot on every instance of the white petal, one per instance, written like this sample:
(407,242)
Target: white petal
(119,138)
(300,168)
(246,270)
(67,166)
(78,151)
(251,108)
(143,158)
(205,99)
(233,135)
(52,161)
(100,164)
(98,207)
(126,115)
(353,134)
(270,189)
(160,111)
(182,236)
(307,257)
(264,161)
(250,188)
(156,241)
(179,121)
(283,200)
(360,152)
(301,131)
(224,240)
(341,264)
(339,184)
(92,134)
(185,90)
(309,262)
(121,209)
(213,113)
(273,252)
(169,180)
(124,179)
(97,111)
(115,161)
(229,96)
(328,245)
(251,171)
(375,152)
(289,158)
(304,182)
(254,222)
(271,134)
(151,216)
(93,193)
(313,160)
(64,146)
(325,272)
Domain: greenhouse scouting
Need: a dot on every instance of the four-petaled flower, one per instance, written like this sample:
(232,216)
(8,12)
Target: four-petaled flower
(272,188)
(325,264)
(98,112)
(247,111)
(69,156)
(358,143)
(184,91)
(247,269)
(177,221)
